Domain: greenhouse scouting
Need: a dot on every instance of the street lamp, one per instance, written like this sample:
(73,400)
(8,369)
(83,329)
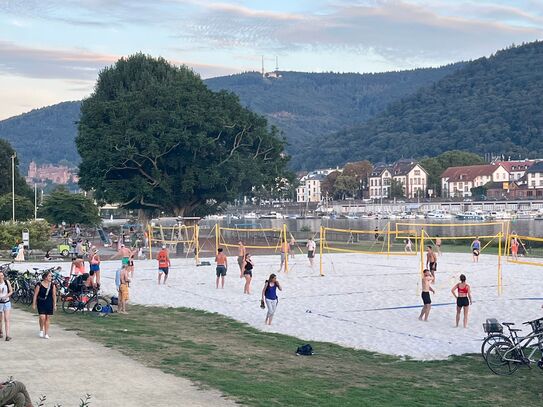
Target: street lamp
(13,157)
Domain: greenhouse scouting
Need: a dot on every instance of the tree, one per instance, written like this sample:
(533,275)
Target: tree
(328,189)
(346,186)
(152,136)
(479,192)
(361,171)
(435,166)
(21,187)
(62,206)
(24,208)
(396,189)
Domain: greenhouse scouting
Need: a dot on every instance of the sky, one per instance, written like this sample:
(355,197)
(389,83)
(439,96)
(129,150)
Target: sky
(52,50)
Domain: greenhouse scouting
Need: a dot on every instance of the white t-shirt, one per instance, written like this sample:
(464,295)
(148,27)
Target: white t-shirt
(311,246)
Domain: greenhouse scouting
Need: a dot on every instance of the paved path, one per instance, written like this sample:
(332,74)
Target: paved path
(66,367)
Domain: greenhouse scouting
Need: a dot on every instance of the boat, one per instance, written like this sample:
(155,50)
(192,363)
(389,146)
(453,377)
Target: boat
(469,215)
(499,215)
(438,214)
(272,215)
(250,215)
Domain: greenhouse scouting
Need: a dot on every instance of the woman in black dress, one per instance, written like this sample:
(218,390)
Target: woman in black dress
(45,300)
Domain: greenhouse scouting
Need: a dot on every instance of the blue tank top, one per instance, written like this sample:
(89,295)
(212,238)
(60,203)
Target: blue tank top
(271,292)
(476,245)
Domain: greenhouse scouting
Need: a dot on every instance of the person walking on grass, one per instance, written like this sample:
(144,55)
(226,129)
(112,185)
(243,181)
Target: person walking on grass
(247,273)
(463,299)
(6,291)
(427,280)
(311,250)
(431,261)
(269,297)
(124,282)
(476,249)
(222,266)
(164,264)
(14,393)
(45,301)
(242,251)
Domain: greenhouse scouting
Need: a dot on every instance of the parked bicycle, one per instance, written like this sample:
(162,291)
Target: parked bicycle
(507,354)
(84,300)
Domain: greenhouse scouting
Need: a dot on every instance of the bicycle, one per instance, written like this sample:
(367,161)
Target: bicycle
(494,331)
(81,301)
(507,356)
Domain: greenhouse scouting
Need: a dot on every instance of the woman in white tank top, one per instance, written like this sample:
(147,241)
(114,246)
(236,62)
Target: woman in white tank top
(5,304)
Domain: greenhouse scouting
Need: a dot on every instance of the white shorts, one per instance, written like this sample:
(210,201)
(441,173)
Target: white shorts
(271,305)
(5,306)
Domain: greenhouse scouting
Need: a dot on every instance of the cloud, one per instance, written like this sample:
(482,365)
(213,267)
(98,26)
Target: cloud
(83,65)
(394,29)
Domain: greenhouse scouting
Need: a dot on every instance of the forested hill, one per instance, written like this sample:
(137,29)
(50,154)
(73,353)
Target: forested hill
(45,135)
(303,105)
(491,105)
(307,105)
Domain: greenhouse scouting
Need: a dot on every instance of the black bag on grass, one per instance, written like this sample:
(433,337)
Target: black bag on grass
(305,350)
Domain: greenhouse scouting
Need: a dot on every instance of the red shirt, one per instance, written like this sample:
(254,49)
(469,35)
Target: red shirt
(163,260)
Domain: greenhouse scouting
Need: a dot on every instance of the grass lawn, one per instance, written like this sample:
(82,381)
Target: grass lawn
(261,369)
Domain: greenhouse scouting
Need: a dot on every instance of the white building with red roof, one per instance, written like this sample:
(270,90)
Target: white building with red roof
(457,182)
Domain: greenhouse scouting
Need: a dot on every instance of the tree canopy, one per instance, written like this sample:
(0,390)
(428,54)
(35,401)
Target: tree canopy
(63,206)
(24,208)
(152,136)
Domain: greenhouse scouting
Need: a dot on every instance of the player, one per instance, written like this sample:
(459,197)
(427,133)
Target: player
(476,249)
(431,261)
(427,279)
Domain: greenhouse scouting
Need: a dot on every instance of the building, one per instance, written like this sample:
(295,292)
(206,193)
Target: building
(310,185)
(409,173)
(516,169)
(457,182)
(56,174)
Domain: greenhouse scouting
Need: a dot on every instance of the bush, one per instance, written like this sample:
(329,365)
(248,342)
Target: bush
(11,232)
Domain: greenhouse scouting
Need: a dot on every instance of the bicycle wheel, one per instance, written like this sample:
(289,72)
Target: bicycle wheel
(491,340)
(96,303)
(496,358)
(71,304)
(16,296)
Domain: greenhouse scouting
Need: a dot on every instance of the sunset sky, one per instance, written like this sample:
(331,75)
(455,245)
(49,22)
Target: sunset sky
(52,50)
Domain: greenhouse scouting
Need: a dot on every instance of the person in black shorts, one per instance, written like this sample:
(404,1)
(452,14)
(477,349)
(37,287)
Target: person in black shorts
(427,279)
(431,260)
(247,273)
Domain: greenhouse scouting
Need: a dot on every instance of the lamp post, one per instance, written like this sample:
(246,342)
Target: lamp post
(35,201)
(13,157)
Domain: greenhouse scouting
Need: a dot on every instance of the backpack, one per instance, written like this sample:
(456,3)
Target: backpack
(114,301)
(106,309)
(305,350)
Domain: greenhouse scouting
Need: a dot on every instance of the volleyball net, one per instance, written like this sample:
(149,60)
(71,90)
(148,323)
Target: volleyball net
(258,240)
(526,250)
(378,241)
(473,239)
(180,239)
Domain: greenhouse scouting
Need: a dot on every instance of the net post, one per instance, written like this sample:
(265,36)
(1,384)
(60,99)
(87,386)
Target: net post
(388,239)
(197,243)
(422,252)
(320,249)
(217,236)
(500,283)
(285,246)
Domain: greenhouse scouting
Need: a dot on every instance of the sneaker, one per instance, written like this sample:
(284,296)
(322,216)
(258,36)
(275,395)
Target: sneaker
(41,334)
(1,335)
(8,338)
(46,336)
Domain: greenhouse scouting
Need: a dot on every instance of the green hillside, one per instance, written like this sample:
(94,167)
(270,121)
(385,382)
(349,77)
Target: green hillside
(303,105)
(491,105)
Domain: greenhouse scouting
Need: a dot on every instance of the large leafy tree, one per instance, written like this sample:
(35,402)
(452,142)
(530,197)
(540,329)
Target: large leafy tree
(21,187)
(24,208)
(63,206)
(152,136)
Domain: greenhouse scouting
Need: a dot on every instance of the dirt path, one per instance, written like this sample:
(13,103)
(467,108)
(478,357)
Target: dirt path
(66,367)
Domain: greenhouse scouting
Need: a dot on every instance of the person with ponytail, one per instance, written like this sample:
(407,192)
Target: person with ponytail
(269,297)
